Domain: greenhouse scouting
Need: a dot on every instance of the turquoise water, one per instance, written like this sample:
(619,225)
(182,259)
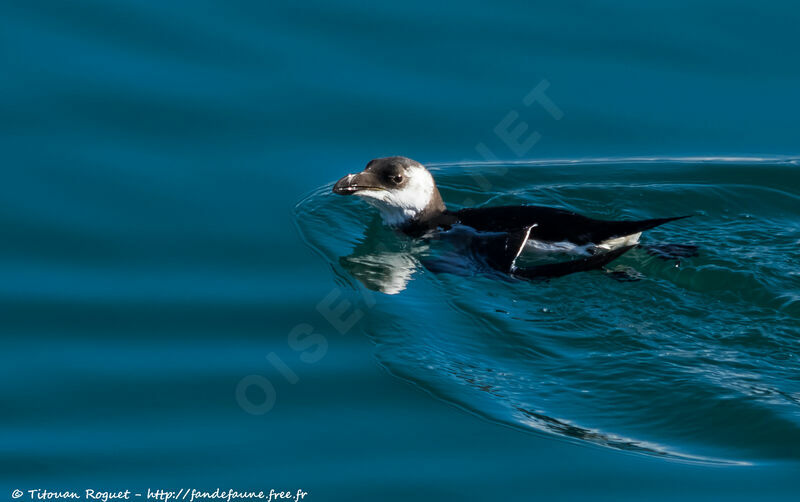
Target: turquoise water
(168,233)
(690,359)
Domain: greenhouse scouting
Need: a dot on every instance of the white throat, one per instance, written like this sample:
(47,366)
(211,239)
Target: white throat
(402,205)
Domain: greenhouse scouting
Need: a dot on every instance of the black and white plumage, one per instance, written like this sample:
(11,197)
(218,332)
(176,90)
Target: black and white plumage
(406,195)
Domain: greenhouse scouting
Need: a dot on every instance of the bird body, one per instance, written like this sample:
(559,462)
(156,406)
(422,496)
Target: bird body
(406,195)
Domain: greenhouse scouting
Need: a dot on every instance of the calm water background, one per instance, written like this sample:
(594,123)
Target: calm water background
(153,156)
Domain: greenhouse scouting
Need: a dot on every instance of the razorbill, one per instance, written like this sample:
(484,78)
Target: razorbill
(405,194)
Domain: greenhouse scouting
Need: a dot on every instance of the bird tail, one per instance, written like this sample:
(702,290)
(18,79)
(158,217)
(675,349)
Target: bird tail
(612,229)
(633,227)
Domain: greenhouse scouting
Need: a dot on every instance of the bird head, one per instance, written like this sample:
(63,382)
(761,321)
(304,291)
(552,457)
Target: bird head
(402,189)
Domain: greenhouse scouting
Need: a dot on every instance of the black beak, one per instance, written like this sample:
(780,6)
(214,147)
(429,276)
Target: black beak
(353,183)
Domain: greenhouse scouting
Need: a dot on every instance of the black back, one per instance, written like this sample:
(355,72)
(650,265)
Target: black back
(552,225)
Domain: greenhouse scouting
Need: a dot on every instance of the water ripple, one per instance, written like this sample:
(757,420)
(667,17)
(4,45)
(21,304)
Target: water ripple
(692,359)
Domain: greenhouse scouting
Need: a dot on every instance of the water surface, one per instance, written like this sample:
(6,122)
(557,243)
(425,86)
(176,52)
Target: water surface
(691,358)
(152,156)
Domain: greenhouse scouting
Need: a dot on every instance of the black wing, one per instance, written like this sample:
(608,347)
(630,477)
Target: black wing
(552,225)
(501,251)
(552,270)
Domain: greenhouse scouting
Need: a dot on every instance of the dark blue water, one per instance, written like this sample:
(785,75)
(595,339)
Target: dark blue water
(159,160)
(687,358)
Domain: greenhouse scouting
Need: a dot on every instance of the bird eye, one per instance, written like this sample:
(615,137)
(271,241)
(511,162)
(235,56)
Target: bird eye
(397,179)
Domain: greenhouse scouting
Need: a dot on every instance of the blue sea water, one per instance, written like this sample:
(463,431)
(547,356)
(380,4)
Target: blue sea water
(183,300)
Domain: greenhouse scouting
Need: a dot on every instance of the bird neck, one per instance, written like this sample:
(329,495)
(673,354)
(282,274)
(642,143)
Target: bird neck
(432,216)
(433,209)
